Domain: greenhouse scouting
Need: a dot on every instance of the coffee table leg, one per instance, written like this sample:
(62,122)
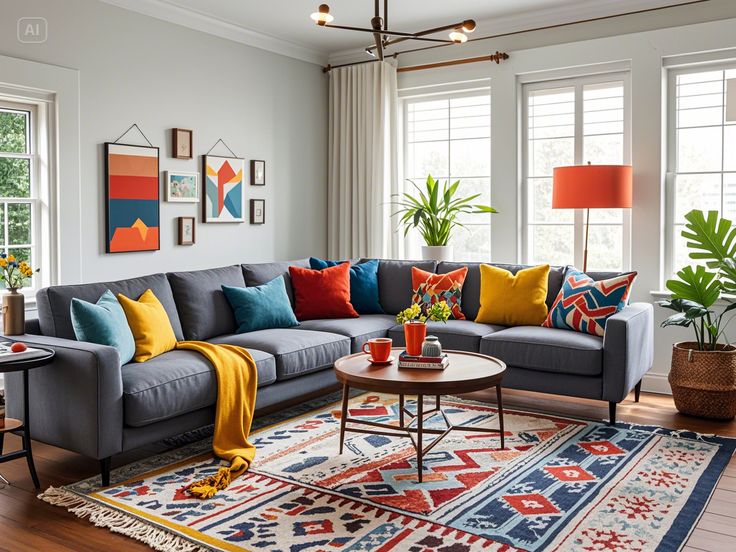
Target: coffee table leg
(401,411)
(27,431)
(499,401)
(420,424)
(343,417)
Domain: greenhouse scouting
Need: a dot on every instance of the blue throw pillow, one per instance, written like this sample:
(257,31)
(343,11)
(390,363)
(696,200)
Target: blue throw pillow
(261,307)
(363,284)
(103,323)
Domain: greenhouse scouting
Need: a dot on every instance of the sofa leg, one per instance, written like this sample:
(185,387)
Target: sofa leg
(105,471)
(612,413)
(637,391)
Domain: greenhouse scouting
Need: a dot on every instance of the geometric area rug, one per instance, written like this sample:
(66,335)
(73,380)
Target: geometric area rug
(561,484)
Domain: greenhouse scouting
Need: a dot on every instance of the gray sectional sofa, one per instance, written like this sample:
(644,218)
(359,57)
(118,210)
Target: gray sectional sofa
(85,401)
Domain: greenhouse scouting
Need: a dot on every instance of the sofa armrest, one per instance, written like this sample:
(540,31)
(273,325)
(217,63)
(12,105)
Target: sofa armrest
(76,401)
(628,350)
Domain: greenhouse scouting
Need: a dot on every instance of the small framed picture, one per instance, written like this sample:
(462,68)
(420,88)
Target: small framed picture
(182,187)
(182,146)
(187,229)
(257,173)
(257,211)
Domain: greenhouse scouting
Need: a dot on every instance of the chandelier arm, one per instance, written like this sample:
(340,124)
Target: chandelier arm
(420,34)
(365,30)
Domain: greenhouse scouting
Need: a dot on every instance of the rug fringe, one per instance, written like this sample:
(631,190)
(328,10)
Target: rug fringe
(119,522)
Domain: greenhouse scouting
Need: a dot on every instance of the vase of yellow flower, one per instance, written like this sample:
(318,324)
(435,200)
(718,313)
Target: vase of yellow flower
(415,320)
(15,275)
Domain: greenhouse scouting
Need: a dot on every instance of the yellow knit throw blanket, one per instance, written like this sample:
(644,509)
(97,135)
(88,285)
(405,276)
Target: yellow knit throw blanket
(237,381)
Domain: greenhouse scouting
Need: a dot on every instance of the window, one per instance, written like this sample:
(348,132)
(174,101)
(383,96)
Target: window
(572,122)
(449,137)
(701,160)
(19,194)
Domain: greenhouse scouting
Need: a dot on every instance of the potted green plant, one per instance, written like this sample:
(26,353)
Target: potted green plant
(435,212)
(703,371)
(414,320)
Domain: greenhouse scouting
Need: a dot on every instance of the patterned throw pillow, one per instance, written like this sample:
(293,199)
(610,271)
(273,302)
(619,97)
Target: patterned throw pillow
(430,288)
(584,305)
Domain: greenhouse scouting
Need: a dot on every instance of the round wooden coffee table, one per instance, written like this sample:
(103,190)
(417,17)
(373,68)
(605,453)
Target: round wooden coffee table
(465,373)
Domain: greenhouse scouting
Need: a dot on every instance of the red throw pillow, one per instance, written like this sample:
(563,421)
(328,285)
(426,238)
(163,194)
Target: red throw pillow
(322,293)
(430,288)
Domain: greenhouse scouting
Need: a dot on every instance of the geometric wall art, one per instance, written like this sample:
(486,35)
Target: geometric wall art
(132,197)
(223,189)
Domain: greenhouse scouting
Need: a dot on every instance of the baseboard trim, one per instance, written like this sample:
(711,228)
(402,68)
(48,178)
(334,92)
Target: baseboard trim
(656,383)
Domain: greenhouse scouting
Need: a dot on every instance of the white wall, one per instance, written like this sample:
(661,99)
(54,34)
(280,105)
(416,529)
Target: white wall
(133,68)
(644,53)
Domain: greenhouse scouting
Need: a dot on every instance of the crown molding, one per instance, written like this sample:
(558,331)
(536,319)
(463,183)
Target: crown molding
(166,11)
(585,9)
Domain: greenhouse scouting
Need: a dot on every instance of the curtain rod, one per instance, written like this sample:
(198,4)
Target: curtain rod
(395,55)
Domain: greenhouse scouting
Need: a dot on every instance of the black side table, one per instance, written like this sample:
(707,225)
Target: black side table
(22,427)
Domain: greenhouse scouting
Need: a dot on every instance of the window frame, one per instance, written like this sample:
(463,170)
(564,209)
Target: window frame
(39,194)
(405,100)
(578,83)
(671,160)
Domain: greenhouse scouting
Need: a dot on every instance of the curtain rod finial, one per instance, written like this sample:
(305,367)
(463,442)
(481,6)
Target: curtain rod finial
(327,69)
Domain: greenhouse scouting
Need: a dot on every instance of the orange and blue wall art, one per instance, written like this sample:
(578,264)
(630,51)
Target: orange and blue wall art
(132,186)
(223,189)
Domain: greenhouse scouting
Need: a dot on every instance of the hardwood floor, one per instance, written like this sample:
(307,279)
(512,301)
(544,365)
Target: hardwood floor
(27,524)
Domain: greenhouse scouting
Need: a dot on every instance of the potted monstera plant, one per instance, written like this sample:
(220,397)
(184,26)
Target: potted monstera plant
(703,372)
(435,211)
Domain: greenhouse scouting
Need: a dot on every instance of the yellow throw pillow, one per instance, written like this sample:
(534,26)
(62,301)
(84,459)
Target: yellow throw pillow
(513,300)
(150,325)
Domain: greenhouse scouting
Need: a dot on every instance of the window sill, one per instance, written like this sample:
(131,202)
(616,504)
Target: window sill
(666,294)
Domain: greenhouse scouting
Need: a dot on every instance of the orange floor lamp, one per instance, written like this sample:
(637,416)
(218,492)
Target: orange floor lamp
(592,187)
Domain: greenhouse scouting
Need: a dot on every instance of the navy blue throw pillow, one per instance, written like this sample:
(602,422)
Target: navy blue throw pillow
(363,284)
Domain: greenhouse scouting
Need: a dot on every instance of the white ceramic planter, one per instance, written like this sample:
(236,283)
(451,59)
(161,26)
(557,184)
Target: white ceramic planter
(437,252)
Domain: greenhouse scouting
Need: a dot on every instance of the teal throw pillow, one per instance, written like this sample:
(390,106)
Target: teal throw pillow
(103,323)
(363,283)
(261,307)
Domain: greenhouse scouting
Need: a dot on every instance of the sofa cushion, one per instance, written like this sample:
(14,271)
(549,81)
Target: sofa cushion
(203,310)
(359,330)
(149,325)
(322,293)
(54,302)
(584,305)
(395,285)
(363,283)
(429,288)
(457,335)
(261,307)
(513,299)
(471,288)
(262,273)
(547,350)
(297,351)
(175,383)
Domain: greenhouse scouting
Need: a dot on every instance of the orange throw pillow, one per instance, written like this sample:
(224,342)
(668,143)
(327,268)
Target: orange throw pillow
(322,293)
(430,288)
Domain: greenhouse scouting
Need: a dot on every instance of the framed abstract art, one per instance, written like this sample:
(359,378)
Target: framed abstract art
(223,189)
(132,198)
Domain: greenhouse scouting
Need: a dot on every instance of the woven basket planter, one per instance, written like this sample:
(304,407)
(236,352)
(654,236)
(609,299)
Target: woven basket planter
(704,382)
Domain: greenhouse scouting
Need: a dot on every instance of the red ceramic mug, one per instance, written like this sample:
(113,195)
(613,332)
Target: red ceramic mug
(379,348)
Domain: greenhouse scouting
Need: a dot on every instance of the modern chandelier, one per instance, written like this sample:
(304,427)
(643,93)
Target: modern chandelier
(383,37)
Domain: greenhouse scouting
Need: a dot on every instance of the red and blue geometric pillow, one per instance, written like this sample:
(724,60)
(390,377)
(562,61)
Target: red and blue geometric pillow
(430,288)
(584,305)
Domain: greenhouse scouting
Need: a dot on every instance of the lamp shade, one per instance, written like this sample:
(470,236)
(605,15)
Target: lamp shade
(592,187)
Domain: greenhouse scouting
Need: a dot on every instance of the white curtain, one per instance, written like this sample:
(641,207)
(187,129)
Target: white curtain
(362,161)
